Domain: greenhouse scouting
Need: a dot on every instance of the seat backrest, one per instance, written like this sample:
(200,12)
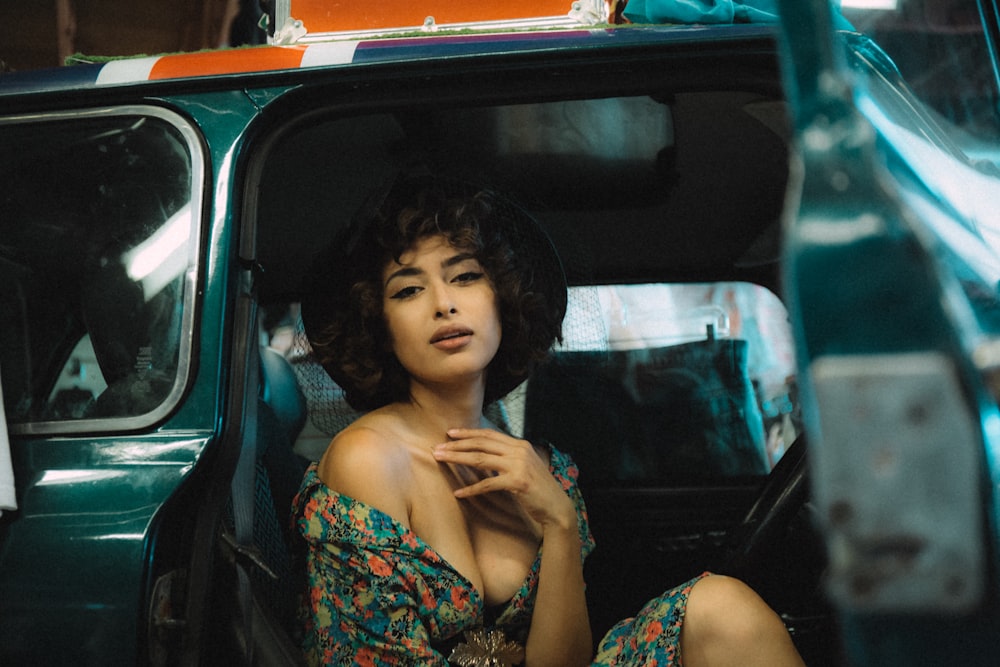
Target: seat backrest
(285,415)
(280,390)
(281,414)
(649,414)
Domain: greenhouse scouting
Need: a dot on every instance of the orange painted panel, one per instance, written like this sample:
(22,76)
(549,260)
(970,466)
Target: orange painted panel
(230,61)
(337,15)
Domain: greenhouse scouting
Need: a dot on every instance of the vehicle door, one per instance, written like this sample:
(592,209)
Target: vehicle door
(115,271)
(892,274)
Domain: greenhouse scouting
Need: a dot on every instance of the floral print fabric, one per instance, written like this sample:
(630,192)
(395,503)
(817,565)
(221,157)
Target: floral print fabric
(378,595)
(652,638)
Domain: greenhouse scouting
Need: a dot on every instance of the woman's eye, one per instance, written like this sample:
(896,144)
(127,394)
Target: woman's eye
(405,293)
(468,277)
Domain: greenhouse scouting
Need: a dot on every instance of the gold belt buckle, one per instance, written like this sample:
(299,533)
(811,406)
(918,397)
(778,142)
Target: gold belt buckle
(487,648)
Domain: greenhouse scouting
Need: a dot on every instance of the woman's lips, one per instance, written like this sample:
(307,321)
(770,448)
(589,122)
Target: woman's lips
(450,338)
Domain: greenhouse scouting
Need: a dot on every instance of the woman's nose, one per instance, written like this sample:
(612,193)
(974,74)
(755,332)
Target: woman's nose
(446,309)
(445,304)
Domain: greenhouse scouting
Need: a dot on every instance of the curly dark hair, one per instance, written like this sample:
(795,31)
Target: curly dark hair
(342,311)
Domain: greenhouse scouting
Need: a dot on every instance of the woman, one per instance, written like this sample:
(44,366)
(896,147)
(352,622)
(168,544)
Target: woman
(433,536)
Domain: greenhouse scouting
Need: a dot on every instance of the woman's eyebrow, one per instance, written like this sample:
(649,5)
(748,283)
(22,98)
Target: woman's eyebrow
(416,271)
(457,259)
(403,272)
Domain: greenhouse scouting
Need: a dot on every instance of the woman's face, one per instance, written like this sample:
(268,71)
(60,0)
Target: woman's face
(441,313)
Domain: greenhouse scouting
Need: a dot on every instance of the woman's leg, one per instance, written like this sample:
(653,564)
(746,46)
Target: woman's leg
(727,623)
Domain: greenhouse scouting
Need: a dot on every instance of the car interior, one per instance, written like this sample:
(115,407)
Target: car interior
(674,386)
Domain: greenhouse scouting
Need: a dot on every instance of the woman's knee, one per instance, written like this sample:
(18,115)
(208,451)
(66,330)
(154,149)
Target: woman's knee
(725,609)
(727,623)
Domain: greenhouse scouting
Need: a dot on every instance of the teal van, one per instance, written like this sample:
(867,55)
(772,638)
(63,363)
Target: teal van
(780,222)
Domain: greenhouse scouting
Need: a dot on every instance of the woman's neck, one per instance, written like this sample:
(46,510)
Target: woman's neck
(446,408)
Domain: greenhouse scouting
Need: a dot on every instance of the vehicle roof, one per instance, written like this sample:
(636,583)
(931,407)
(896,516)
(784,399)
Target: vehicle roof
(221,66)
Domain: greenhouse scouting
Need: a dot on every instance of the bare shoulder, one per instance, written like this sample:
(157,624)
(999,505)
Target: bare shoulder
(369,465)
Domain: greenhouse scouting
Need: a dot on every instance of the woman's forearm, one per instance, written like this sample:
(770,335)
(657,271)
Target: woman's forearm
(560,626)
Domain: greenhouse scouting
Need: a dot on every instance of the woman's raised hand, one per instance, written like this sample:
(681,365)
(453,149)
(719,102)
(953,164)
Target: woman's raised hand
(511,465)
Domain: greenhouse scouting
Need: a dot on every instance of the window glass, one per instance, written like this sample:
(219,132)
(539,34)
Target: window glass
(96,237)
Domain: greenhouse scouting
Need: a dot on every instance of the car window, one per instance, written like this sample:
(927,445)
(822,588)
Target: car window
(97,237)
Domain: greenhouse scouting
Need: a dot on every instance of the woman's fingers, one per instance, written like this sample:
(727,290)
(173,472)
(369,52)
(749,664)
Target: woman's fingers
(495,453)
(483,448)
(512,465)
(486,440)
(472,458)
(487,485)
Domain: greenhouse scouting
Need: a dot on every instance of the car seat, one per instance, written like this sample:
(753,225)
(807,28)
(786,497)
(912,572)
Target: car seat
(686,410)
(281,414)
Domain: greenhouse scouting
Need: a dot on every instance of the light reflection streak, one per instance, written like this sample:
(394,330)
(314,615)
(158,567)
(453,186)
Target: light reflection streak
(163,256)
(57,477)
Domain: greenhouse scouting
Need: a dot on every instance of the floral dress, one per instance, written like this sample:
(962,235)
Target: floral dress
(378,595)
